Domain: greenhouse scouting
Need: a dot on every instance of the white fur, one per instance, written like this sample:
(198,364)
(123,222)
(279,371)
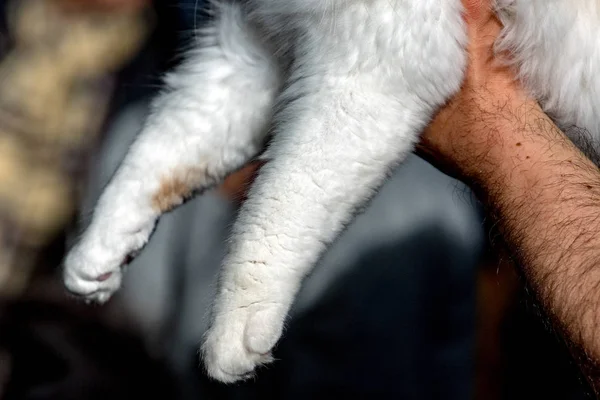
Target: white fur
(213,114)
(555,49)
(354,83)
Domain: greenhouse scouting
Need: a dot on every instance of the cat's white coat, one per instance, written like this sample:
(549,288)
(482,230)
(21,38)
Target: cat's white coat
(346,87)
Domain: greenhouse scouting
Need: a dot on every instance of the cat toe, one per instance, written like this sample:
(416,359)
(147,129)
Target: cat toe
(239,342)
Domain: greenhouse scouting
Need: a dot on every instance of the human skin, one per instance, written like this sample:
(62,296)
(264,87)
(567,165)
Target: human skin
(541,190)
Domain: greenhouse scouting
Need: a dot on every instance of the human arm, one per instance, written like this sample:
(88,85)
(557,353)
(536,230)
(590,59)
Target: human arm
(542,192)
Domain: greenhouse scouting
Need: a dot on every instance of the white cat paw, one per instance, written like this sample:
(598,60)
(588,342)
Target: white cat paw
(93,276)
(93,269)
(241,340)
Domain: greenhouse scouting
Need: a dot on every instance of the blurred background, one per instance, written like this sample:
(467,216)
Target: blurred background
(415,301)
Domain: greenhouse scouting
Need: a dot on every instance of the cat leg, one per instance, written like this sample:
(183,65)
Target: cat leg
(334,158)
(210,121)
(346,124)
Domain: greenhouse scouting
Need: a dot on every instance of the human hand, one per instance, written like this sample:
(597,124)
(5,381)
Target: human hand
(465,131)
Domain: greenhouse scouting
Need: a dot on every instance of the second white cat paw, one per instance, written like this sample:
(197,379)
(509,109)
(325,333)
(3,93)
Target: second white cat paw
(242,339)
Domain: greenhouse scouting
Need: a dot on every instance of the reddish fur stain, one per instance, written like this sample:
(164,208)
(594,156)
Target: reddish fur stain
(176,188)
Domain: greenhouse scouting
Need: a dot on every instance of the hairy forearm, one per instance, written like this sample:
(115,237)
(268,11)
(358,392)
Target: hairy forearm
(543,193)
(545,196)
